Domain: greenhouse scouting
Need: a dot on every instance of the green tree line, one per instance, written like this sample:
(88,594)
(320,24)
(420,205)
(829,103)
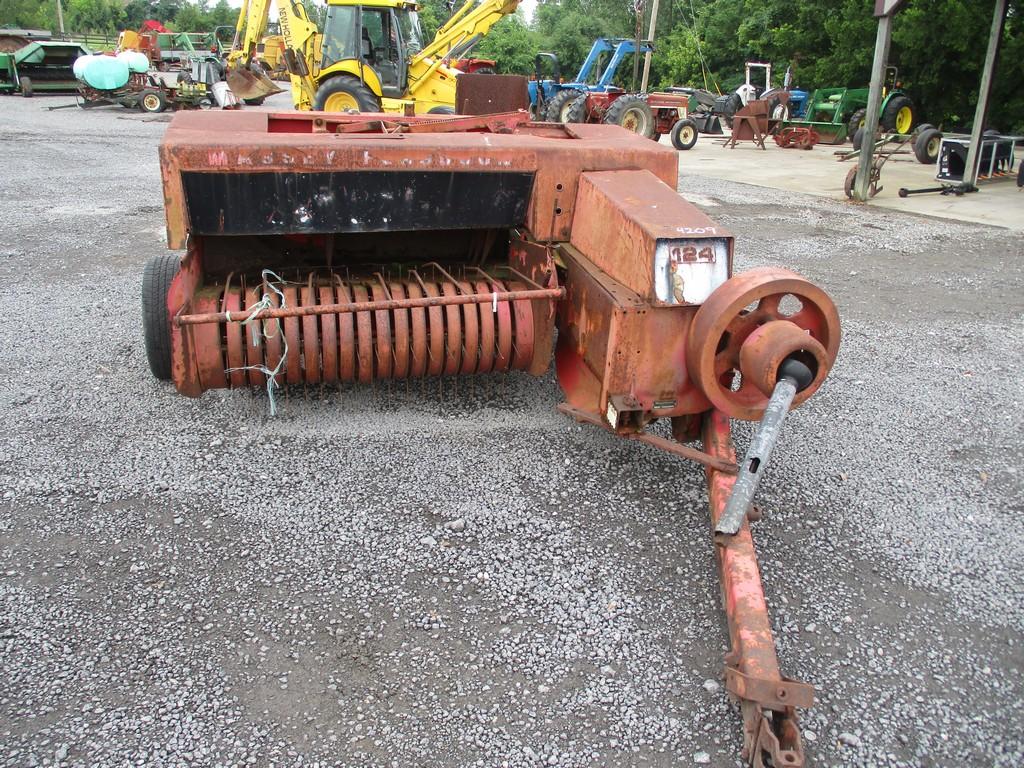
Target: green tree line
(112,16)
(938,45)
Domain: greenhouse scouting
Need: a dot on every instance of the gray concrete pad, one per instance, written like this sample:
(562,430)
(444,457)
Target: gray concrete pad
(819,172)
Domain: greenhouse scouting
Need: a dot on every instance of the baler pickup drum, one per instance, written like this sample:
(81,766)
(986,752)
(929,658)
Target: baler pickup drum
(427,322)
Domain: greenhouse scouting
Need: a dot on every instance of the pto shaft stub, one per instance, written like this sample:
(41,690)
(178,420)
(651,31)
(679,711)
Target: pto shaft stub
(793,376)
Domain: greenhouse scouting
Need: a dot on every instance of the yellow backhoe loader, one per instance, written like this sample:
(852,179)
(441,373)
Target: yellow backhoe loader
(371,56)
(247,77)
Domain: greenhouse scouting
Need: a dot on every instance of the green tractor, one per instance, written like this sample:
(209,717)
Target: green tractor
(837,113)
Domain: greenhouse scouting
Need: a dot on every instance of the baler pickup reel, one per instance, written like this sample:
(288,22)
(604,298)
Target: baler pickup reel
(323,248)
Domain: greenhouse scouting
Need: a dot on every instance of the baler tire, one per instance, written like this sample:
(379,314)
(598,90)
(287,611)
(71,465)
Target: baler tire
(926,146)
(855,123)
(485,71)
(617,113)
(559,105)
(360,95)
(676,135)
(26,87)
(156,319)
(257,102)
(441,111)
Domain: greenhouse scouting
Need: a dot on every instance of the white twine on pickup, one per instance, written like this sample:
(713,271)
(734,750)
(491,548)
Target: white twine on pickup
(260,329)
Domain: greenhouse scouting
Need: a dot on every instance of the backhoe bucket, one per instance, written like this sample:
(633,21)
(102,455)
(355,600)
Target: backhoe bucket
(247,84)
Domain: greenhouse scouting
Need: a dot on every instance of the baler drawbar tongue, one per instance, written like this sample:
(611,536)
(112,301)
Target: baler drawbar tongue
(327,249)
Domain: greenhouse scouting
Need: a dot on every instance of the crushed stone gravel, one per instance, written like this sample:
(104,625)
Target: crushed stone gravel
(451,572)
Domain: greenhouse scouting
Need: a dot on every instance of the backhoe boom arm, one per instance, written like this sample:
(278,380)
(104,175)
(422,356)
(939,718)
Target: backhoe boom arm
(473,19)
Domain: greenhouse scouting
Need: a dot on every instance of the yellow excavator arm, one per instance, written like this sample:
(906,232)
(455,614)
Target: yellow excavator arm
(301,49)
(471,22)
(474,19)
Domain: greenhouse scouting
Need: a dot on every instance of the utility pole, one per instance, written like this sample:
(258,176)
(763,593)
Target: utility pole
(884,11)
(60,18)
(970,180)
(650,39)
(638,5)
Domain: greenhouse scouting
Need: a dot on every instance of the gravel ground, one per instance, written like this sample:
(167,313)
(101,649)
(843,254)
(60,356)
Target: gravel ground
(452,573)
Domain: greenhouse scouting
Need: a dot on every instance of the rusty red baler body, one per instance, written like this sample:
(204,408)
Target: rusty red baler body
(324,248)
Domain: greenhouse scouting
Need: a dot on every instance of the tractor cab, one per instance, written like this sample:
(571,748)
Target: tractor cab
(381,37)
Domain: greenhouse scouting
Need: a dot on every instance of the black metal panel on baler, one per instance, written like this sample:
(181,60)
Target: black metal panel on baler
(354,201)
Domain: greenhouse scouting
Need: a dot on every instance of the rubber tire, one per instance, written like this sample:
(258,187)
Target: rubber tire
(921,148)
(892,109)
(923,127)
(732,106)
(362,95)
(858,139)
(442,111)
(161,102)
(258,101)
(26,87)
(677,129)
(485,71)
(560,102)
(156,320)
(850,181)
(577,111)
(855,122)
(616,113)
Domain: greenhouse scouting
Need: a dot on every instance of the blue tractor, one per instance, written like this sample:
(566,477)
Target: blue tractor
(550,99)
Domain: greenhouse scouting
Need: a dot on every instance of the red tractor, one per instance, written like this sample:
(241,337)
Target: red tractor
(648,114)
(476,66)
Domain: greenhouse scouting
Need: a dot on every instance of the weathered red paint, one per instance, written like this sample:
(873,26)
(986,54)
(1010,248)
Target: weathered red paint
(723,324)
(367,304)
(752,667)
